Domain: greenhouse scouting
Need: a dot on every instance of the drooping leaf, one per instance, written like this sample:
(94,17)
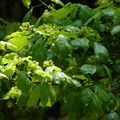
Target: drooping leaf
(34,97)
(47,95)
(22,100)
(39,52)
(19,42)
(58,2)
(26,3)
(96,104)
(85,96)
(27,16)
(88,68)
(75,108)
(113,116)
(101,52)
(23,83)
(63,46)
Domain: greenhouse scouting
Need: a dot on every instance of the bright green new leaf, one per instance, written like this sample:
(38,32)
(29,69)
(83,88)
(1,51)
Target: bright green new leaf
(115,30)
(101,52)
(63,45)
(27,16)
(39,52)
(47,95)
(22,100)
(19,42)
(85,96)
(10,58)
(96,104)
(113,116)
(26,3)
(88,68)
(23,82)
(58,2)
(34,97)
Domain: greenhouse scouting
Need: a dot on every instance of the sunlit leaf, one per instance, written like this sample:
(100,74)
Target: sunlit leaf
(34,97)
(115,30)
(26,3)
(58,2)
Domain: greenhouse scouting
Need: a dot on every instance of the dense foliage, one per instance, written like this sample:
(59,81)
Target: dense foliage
(70,55)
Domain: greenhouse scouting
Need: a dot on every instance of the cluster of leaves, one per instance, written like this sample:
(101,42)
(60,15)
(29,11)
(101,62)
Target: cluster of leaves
(69,55)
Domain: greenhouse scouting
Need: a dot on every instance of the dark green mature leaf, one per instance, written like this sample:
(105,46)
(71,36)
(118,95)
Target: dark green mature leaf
(115,30)
(23,83)
(74,108)
(113,116)
(109,12)
(96,104)
(34,97)
(27,16)
(22,100)
(102,94)
(85,13)
(85,96)
(26,3)
(88,68)
(19,42)
(63,46)
(101,52)
(47,95)
(80,43)
(39,52)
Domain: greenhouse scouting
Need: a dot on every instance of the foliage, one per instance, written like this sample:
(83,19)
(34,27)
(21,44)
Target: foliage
(69,55)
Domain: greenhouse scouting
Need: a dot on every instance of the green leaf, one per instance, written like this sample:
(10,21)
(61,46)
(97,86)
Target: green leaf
(101,52)
(102,94)
(113,116)
(28,15)
(23,83)
(83,42)
(64,92)
(47,95)
(19,42)
(96,104)
(88,68)
(3,75)
(58,2)
(26,3)
(85,13)
(34,97)
(117,12)
(63,45)
(115,30)
(61,13)
(109,12)
(85,96)
(22,100)
(74,108)
(39,52)
(58,77)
